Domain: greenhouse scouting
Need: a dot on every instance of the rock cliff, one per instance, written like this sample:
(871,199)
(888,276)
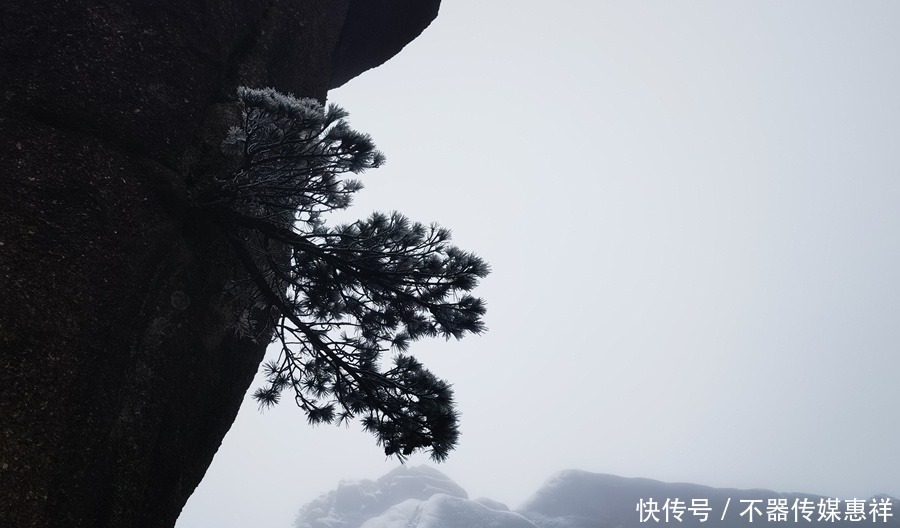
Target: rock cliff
(120,370)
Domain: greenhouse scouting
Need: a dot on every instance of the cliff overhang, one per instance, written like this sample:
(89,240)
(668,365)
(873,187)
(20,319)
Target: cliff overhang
(120,369)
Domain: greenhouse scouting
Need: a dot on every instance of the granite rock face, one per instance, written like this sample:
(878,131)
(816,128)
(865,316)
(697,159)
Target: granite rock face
(120,369)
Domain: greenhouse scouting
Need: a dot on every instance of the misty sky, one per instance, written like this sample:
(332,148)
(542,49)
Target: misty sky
(691,210)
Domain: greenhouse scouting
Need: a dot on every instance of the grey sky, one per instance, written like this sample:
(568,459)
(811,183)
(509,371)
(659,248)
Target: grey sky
(691,212)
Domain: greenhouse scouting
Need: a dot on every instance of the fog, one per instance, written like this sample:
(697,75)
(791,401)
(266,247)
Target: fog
(691,213)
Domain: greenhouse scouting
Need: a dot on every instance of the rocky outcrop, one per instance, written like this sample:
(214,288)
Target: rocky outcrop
(120,366)
(375,31)
(420,497)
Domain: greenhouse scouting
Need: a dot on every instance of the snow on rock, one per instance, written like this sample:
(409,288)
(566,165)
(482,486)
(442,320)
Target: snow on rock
(492,504)
(402,515)
(422,497)
(355,502)
(444,511)
(579,499)
(417,483)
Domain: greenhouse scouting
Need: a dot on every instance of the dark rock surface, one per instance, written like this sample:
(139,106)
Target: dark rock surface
(375,31)
(120,370)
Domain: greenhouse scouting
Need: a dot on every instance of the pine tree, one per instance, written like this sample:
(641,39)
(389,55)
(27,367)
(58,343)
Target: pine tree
(337,299)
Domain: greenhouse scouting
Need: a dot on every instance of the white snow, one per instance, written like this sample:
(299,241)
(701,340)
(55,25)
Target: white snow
(355,502)
(422,497)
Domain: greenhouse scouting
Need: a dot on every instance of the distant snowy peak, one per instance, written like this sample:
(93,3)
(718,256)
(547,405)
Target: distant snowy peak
(355,502)
(419,482)
(422,497)
(579,499)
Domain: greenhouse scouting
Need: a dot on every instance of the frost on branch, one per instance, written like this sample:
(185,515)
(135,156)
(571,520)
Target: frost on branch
(292,154)
(339,298)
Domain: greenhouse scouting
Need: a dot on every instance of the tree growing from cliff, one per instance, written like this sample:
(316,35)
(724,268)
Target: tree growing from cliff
(337,299)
